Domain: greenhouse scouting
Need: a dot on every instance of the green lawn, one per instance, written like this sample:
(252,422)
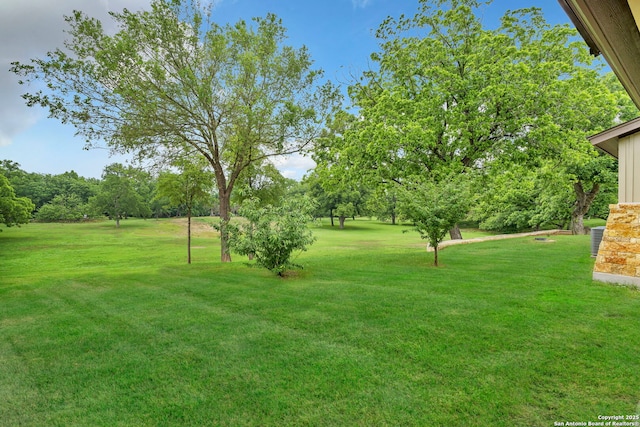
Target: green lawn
(100,326)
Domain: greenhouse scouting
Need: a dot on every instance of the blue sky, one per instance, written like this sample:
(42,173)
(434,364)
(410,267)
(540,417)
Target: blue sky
(338,34)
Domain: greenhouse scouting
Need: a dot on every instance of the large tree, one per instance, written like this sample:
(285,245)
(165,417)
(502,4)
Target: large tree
(450,95)
(234,94)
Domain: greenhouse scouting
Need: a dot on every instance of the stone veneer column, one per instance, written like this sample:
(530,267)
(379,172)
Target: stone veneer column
(618,258)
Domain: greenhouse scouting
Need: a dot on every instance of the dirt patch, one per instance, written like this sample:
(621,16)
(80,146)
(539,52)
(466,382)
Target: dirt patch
(198,228)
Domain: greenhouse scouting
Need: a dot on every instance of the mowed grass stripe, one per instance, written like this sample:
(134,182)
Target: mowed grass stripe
(506,333)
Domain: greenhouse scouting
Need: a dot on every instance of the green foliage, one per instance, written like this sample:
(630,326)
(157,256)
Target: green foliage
(13,210)
(117,196)
(42,188)
(435,208)
(627,110)
(608,195)
(64,208)
(383,203)
(518,198)
(263,182)
(273,233)
(344,210)
(335,197)
(451,96)
(193,184)
(589,174)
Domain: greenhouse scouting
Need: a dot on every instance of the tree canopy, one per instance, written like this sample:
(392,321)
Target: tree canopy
(117,196)
(433,208)
(13,210)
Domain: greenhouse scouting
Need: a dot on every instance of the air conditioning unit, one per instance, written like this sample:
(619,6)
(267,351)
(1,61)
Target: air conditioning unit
(596,238)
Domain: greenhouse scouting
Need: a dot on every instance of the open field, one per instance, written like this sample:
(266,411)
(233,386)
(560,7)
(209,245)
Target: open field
(100,326)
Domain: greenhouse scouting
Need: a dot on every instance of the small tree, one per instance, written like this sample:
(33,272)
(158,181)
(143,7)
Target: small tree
(116,196)
(435,208)
(192,185)
(13,210)
(273,234)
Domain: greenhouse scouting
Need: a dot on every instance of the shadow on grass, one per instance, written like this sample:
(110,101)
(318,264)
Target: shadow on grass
(349,225)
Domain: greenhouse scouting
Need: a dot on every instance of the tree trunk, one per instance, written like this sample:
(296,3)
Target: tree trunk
(117,221)
(189,236)
(341,219)
(393,218)
(435,255)
(455,233)
(577,224)
(225,216)
(331,216)
(251,255)
(581,206)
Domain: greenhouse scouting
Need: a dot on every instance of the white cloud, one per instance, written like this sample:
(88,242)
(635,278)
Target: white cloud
(293,166)
(4,140)
(360,3)
(31,28)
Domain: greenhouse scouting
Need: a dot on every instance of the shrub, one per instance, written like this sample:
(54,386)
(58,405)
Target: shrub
(273,233)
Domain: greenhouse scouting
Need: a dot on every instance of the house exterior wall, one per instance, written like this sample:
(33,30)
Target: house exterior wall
(618,259)
(629,169)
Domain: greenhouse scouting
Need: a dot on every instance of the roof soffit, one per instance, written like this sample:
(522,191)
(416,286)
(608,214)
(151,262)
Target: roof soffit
(611,28)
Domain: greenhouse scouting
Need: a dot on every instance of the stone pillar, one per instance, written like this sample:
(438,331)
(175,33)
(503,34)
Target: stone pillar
(618,259)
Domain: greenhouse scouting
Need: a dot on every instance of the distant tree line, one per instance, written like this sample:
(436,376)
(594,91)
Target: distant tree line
(514,199)
(121,192)
(180,190)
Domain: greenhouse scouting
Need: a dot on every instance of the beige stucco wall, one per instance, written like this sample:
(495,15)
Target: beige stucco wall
(629,169)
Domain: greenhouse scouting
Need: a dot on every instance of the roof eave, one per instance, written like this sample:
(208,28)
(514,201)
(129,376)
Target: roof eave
(609,27)
(608,140)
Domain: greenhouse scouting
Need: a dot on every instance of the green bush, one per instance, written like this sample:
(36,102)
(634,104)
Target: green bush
(63,208)
(273,233)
